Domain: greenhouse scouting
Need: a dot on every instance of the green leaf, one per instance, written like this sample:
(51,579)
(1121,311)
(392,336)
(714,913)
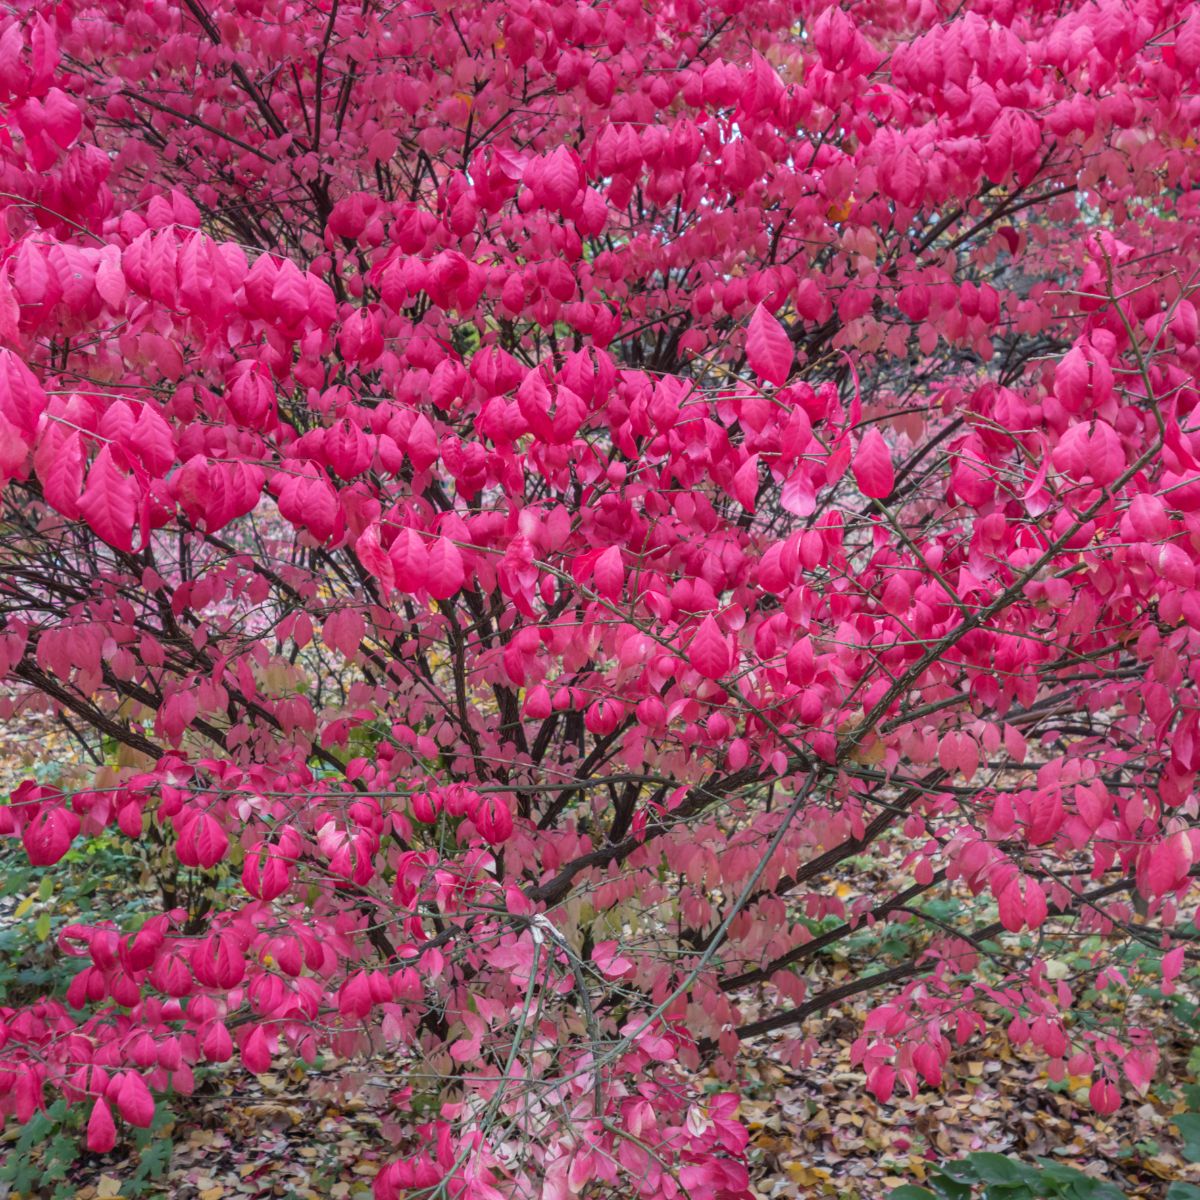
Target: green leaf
(909,1191)
(154,1159)
(947,1186)
(999,1169)
(1189,1130)
(963,1170)
(1183,1191)
(1087,1188)
(1059,1172)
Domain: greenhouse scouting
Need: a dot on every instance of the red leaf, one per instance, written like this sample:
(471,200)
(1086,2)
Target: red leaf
(101,1129)
(1164,868)
(1187,43)
(375,559)
(320,508)
(58,460)
(216,1044)
(256,1055)
(1010,907)
(289,292)
(559,180)
(1045,817)
(110,279)
(768,348)
(446,571)
(61,117)
(1090,451)
(709,650)
(152,441)
(422,444)
(410,561)
(609,574)
(1035,903)
(1104,1097)
(265,872)
(493,819)
(202,842)
(134,1101)
(109,503)
(872,466)
(1172,964)
(1148,517)
(1071,378)
(49,835)
(22,399)
(745,483)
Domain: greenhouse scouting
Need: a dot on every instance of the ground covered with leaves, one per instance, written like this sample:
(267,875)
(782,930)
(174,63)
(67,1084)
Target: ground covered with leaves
(322,1131)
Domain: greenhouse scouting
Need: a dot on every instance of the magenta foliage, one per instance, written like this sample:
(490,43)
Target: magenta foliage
(535,491)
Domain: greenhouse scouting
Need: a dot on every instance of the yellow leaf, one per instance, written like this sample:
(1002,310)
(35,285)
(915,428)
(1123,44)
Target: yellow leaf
(871,754)
(128,757)
(25,906)
(108,1187)
(213,1193)
(807,1176)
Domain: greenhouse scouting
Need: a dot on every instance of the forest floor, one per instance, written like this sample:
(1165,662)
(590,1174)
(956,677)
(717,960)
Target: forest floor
(322,1132)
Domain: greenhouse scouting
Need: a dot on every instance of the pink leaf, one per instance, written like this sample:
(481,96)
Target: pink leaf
(101,1129)
(708,652)
(446,572)
(1164,867)
(493,818)
(375,559)
(1187,43)
(109,503)
(1092,451)
(49,835)
(609,574)
(1172,964)
(134,1101)
(769,350)
(410,561)
(22,400)
(1035,903)
(872,466)
(1104,1097)
(1045,817)
(59,460)
(256,1054)
(537,703)
(611,962)
(202,842)
(745,483)
(1148,517)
